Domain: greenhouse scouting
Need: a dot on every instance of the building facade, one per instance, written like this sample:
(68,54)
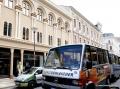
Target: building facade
(24,23)
(111,43)
(18,20)
(83,30)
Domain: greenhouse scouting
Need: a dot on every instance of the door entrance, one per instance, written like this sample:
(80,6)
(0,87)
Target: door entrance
(16,61)
(4,62)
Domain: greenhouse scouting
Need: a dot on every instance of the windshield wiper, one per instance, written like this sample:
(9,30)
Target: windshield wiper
(63,67)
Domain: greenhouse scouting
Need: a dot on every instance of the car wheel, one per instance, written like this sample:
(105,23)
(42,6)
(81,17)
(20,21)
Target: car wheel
(31,84)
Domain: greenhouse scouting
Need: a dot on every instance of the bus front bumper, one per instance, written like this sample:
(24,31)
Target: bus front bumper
(51,85)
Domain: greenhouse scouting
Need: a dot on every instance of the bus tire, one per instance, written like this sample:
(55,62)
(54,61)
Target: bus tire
(108,80)
(91,86)
(45,87)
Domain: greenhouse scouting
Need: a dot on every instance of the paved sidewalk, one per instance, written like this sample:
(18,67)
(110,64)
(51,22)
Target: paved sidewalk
(6,82)
(117,83)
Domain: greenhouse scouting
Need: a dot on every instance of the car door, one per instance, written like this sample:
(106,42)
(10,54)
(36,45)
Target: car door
(38,75)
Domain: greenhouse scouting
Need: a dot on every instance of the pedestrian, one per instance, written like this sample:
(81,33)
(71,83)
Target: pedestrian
(19,67)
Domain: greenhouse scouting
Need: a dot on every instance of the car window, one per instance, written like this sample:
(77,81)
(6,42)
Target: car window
(39,72)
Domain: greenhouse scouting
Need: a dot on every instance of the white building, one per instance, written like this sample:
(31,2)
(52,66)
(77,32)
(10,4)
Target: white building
(55,27)
(111,43)
(83,30)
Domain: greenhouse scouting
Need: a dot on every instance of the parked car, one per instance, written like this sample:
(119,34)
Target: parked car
(30,77)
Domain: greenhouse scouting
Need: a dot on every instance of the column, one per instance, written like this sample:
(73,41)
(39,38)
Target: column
(11,62)
(18,20)
(1,1)
(54,34)
(45,57)
(45,31)
(22,55)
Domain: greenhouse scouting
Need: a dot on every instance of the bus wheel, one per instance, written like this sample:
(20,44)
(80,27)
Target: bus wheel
(91,86)
(45,87)
(108,80)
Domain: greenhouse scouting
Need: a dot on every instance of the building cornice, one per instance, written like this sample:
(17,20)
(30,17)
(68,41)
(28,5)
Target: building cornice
(18,7)
(22,42)
(55,7)
(78,13)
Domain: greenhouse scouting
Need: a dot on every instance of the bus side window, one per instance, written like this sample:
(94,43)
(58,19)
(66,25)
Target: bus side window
(93,51)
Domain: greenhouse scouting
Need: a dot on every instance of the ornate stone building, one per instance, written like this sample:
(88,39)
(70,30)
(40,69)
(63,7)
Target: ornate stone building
(25,22)
(18,20)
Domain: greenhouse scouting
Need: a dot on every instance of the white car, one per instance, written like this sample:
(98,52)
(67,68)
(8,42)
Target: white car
(30,77)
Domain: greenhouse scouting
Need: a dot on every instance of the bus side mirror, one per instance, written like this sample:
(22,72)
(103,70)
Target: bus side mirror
(89,64)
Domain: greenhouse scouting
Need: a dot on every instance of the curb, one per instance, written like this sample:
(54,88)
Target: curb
(7,87)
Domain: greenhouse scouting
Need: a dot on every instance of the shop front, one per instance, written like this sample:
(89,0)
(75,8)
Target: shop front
(29,61)
(4,62)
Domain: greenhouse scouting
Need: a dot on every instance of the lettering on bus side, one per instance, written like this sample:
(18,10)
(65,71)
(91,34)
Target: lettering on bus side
(59,73)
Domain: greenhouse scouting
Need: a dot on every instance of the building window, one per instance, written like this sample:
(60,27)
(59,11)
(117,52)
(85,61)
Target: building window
(39,37)
(9,3)
(59,21)
(87,31)
(40,14)
(84,41)
(50,40)
(109,41)
(83,28)
(75,39)
(80,40)
(66,26)
(66,42)
(50,20)
(25,33)
(79,26)
(7,29)
(26,8)
(59,41)
(110,47)
(91,33)
(74,22)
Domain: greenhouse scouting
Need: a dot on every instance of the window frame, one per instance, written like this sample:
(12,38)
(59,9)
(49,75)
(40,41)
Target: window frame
(39,14)
(9,3)
(7,29)
(50,19)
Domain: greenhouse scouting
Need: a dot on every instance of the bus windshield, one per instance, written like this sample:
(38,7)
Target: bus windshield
(67,57)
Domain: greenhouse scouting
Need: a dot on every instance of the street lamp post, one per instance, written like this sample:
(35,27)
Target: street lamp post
(34,30)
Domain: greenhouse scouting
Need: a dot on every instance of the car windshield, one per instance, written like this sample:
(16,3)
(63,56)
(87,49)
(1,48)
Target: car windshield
(64,57)
(30,71)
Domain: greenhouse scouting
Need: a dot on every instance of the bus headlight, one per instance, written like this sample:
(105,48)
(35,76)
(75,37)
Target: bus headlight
(43,78)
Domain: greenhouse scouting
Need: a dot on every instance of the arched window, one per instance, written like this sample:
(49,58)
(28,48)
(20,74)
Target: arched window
(39,14)
(59,22)
(7,29)
(66,26)
(26,8)
(39,37)
(25,33)
(50,20)
(9,3)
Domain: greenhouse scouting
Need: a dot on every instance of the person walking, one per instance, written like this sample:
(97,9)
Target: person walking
(19,67)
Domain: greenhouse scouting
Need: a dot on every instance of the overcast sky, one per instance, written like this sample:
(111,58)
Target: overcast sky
(107,12)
